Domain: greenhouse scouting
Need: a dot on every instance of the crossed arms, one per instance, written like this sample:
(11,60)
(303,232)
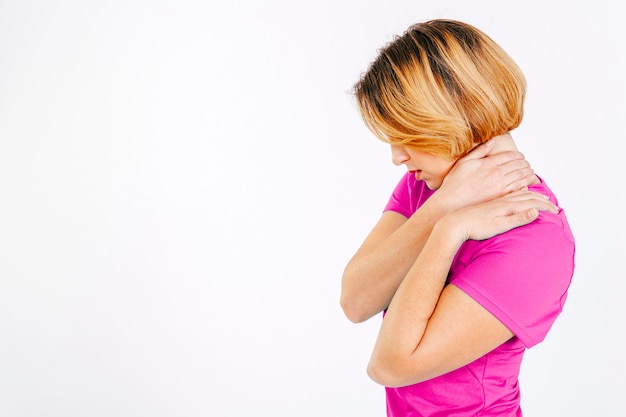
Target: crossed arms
(430,328)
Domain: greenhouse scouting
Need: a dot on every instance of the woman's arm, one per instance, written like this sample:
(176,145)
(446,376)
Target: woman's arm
(430,330)
(373,274)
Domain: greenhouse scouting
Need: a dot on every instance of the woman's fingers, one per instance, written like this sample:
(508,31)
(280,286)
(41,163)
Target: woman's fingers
(494,217)
(516,174)
(526,195)
(480,151)
(508,222)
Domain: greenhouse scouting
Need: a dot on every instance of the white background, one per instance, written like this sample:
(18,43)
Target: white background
(182,183)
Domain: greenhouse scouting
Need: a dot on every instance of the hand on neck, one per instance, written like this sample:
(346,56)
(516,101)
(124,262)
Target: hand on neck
(505,143)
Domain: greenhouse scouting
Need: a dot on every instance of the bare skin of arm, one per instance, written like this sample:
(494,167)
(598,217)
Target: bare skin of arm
(374,273)
(430,330)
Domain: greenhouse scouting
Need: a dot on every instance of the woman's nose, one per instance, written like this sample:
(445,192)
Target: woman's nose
(398,155)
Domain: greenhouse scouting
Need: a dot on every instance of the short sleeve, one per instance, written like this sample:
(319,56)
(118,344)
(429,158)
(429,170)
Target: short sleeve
(408,195)
(522,276)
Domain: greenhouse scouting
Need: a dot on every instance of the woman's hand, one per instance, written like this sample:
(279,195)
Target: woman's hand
(480,176)
(484,220)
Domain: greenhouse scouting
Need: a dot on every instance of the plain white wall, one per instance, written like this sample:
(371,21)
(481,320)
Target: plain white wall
(182,183)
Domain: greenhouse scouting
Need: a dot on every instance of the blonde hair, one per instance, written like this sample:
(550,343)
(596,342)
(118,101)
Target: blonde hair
(442,87)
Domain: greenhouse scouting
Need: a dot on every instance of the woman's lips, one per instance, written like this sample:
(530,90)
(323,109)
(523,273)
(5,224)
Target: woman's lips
(417,174)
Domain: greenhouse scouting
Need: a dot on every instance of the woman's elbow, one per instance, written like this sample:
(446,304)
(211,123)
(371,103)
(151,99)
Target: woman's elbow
(352,310)
(392,372)
(354,302)
(382,373)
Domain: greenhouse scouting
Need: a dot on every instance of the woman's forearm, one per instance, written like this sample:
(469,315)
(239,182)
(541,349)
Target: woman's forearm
(412,306)
(373,275)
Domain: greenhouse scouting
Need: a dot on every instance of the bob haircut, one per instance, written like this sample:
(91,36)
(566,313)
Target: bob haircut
(442,87)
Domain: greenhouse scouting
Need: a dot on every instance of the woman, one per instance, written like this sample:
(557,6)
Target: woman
(472,258)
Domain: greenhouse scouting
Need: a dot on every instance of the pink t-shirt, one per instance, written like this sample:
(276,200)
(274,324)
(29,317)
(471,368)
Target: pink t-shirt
(521,277)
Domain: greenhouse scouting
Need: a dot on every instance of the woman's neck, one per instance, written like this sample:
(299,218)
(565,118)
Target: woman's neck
(503,143)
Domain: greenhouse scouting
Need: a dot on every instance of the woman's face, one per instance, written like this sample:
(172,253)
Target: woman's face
(427,167)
